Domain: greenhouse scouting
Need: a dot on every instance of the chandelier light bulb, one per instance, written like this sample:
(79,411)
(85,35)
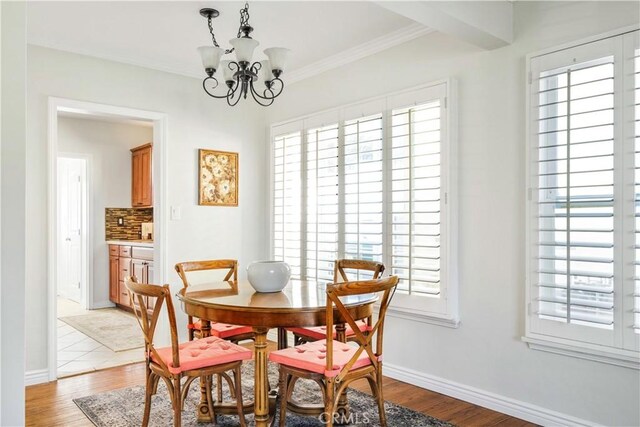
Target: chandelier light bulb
(210,57)
(265,74)
(227,71)
(278,56)
(244,47)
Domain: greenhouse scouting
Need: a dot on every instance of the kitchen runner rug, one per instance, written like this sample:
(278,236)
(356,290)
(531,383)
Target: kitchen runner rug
(111,327)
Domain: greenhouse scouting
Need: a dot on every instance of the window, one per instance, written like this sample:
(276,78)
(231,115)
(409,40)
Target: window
(322,202)
(582,245)
(375,185)
(287,200)
(363,199)
(415,197)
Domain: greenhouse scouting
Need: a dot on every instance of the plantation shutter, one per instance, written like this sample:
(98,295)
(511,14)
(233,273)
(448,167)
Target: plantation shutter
(416,197)
(575,128)
(322,202)
(287,200)
(635,85)
(363,189)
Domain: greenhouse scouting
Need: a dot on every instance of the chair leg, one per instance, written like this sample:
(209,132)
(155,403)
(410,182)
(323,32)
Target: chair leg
(219,387)
(177,405)
(209,383)
(380,398)
(329,402)
(156,380)
(239,404)
(185,389)
(147,398)
(283,393)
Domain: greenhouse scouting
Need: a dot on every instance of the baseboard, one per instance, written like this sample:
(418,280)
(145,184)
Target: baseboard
(102,304)
(496,402)
(37,376)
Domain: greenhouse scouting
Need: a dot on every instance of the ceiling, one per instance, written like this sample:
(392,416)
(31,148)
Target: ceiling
(164,35)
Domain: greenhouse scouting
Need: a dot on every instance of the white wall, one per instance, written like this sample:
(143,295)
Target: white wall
(486,352)
(12,244)
(107,145)
(194,121)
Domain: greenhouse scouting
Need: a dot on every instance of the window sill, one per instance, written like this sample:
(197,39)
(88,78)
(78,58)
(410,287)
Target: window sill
(625,358)
(422,317)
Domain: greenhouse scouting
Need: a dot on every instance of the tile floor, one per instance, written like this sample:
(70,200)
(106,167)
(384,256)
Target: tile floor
(78,353)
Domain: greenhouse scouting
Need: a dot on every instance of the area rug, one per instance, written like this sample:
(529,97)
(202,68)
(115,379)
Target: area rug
(113,328)
(124,407)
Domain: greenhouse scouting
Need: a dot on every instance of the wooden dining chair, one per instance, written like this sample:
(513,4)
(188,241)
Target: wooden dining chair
(309,334)
(233,333)
(333,364)
(201,358)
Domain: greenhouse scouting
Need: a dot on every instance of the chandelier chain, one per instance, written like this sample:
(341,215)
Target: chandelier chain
(213,36)
(244,18)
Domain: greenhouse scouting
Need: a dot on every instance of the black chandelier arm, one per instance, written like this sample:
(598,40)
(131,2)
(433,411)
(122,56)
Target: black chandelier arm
(280,83)
(230,100)
(230,91)
(256,97)
(255,68)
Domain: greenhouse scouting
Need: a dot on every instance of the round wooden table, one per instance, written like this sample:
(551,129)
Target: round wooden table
(301,303)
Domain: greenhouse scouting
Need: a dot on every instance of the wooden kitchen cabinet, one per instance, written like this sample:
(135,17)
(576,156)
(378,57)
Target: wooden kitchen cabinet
(113,275)
(128,261)
(141,176)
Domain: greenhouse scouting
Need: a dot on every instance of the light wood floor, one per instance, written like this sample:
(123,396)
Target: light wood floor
(51,404)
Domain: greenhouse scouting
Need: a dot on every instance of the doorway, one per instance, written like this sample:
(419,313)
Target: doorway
(78,343)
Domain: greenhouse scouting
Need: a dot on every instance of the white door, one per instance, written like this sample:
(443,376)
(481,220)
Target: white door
(71,179)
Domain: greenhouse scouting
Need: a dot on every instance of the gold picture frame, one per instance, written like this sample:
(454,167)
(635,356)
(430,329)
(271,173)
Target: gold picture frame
(218,178)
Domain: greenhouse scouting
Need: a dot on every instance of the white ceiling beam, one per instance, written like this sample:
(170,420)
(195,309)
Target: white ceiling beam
(486,24)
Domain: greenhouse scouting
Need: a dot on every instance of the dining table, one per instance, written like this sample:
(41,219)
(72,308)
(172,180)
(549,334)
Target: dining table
(302,303)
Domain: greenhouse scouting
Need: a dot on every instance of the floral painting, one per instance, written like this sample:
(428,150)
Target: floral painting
(218,178)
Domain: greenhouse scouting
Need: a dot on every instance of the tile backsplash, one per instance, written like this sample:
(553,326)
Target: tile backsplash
(132,227)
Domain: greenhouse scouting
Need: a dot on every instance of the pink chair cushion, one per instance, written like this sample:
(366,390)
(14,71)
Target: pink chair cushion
(312,357)
(224,330)
(320,332)
(202,353)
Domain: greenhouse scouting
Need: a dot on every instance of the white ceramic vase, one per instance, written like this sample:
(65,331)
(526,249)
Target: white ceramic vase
(268,276)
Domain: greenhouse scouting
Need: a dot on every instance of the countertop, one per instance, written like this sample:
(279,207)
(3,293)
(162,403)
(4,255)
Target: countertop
(139,243)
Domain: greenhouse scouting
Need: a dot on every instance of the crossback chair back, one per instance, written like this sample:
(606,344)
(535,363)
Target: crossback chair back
(182,268)
(339,274)
(139,293)
(386,286)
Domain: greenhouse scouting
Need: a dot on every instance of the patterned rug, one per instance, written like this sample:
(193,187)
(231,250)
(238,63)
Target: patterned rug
(124,407)
(111,327)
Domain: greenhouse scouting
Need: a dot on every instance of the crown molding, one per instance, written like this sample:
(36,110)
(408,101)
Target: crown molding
(352,54)
(355,53)
(115,58)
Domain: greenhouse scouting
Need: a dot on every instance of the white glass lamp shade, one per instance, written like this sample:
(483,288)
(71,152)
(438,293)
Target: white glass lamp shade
(210,56)
(244,48)
(278,56)
(226,71)
(265,73)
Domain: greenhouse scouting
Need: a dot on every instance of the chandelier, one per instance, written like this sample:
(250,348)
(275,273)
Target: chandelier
(261,79)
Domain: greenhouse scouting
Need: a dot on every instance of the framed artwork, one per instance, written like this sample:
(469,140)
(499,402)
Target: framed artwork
(218,179)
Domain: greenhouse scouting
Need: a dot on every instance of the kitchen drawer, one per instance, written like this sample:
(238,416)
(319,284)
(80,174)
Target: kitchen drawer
(123,297)
(114,250)
(125,268)
(142,253)
(125,251)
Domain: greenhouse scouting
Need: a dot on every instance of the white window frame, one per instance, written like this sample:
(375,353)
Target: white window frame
(578,345)
(443,310)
